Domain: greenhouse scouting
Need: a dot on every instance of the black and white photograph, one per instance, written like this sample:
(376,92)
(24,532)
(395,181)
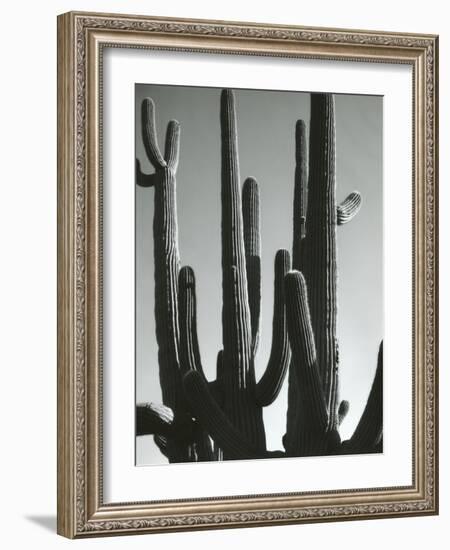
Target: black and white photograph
(258,274)
(247,283)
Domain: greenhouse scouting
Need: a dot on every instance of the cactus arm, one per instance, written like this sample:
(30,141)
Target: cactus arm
(187,314)
(201,449)
(157,419)
(236,320)
(238,363)
(319,249)
(149,137)
(312,424)
(348,208)
(166,267)
(252,244)
(152,418)
(303,348)
(300,192)
(270,384)
(142,179)
(172,145)
(170,430)
(213,419)
(369,431)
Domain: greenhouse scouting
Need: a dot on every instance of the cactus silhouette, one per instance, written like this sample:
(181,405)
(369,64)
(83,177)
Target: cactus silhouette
(222,419)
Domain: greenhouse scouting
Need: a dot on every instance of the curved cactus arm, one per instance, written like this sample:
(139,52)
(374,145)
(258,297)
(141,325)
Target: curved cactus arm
(142,179)
(201,450)
(170,430)
(187,315)
(348,208)
(152,418)
(172,145)
(312,420)
(149,137)
(269,386)
(369,431)
(252,244)
(303,348)
(157,419)
(344,407)
(235,319)
(300,192)
(215,422)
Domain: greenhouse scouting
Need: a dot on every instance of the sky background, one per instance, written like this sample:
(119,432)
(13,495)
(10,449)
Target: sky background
(266,125)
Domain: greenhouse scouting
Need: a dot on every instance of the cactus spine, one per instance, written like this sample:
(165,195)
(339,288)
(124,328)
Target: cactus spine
(228,410)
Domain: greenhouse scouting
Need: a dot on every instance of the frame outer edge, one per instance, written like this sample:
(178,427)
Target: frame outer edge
(435,215)
(75,482)
(66,489)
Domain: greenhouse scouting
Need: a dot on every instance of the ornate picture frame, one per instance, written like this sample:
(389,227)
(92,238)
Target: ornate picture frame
(83,39)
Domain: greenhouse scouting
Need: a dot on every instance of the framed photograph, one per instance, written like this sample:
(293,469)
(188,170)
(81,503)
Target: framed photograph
(247,274)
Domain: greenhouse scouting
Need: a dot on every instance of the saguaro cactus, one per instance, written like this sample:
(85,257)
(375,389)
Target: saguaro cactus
(314,413)
(228,410)
(167,267)
(237,416)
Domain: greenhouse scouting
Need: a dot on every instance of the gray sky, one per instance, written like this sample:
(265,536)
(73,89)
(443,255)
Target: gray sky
(266,124)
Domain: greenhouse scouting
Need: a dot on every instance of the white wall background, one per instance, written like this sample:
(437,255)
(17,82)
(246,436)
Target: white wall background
(28,273)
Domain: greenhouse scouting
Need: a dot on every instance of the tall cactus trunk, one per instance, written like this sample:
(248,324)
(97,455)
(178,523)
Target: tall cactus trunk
(167,265)
(318,262)
(293,419)
(238,365)
(313,414)
(252,243)
(231,407)
(166,269)
(300,193)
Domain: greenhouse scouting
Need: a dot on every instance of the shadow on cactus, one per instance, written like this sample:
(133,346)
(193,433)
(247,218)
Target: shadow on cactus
(202,420)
